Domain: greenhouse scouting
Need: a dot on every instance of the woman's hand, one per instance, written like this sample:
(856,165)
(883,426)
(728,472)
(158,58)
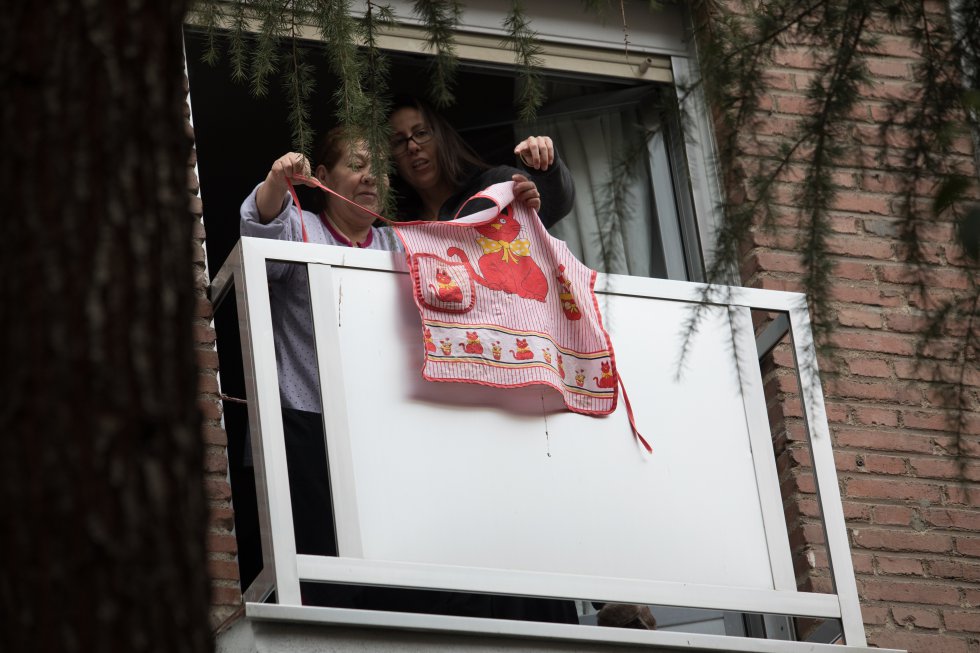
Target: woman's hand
(526,191)
(536,152)
(269,197)
(288,165)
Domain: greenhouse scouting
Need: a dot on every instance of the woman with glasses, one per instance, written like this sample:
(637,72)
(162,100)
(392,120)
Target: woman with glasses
(441,171)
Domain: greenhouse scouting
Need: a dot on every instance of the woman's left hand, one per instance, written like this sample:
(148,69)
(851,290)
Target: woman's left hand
(526,191)
(536,152)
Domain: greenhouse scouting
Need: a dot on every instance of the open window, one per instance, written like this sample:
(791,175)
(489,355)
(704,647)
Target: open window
(600,106)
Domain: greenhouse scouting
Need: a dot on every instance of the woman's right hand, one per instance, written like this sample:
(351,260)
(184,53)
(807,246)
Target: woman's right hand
(269,197)
(288,165)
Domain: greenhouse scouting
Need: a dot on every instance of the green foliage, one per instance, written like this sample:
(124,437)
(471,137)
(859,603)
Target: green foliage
(738,41)
(374,81)
(440,18)
(528,59)
(339,31)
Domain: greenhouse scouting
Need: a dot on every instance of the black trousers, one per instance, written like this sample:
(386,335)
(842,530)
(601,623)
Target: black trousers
(313,525)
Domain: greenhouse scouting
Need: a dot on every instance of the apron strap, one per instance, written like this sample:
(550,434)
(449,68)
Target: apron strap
(316,182)
(629,413)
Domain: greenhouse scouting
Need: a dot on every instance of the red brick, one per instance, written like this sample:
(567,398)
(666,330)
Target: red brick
(918,642)
(862,202)
(892,515)
(959,495)
(794,57)
(836,412)
(969,546)
(883,440)
(918,617)
(207,359)
(203,334)
(198,233)
(879,182)
(860,317)
(207,383)
(215,435)
(847,461)
(884,343)
(209,409)
(971,597)
(854,270)
(888,90)
(856,511)
(221,543)
(777,126)
(223,570)
(879,464)
(779,80)
(786,285)
(966,520)
(914,369)
(907,592)
(216,462)
(810,508)
(901,540)
(225,596)
(905,323)
(899,566)
(870,367)
(845,224)
(203,308)
(875,416)
(969,446)
(863,563)
(221,517)
(866,295)
(217,489)
(963,621)
(874,615)
(925,420)
(955,569)
(883,390)
(881,67)
(194,205)
(935,468)
(878,488)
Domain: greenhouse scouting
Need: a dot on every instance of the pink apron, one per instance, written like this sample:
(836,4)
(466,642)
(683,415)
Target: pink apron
(505,304)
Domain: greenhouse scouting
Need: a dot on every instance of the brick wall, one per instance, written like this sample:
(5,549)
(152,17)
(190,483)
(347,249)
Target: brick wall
(222,564)
(908,482)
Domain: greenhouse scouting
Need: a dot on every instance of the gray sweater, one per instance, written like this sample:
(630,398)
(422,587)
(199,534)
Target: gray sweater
(289,296)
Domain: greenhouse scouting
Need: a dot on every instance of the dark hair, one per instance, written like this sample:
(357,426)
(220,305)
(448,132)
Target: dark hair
(457,159)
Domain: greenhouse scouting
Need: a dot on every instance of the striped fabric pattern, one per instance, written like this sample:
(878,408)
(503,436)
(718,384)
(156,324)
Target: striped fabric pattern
(505,304)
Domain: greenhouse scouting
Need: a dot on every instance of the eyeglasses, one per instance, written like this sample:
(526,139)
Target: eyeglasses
(400,145)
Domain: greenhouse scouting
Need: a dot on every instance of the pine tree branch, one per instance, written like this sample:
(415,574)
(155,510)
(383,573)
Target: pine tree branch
(339,30)
(440,18)
(375,83)
(299,84)
(527,50)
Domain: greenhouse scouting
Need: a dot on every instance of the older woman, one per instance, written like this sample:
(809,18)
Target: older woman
(440,172)
(268,212)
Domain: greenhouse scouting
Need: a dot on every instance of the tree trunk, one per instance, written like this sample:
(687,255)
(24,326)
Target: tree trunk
(103,510)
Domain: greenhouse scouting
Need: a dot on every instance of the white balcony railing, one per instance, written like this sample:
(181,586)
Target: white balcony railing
(462,487)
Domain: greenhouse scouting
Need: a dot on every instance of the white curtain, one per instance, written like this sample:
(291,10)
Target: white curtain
(591,134)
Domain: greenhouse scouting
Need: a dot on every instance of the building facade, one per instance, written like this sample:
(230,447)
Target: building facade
(905,453)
